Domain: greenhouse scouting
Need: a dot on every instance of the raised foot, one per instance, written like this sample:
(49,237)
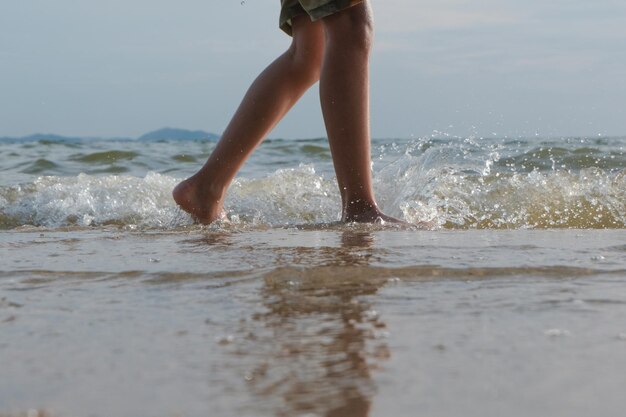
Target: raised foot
(203,207)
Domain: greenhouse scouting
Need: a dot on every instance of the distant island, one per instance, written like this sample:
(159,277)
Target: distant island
(166,133)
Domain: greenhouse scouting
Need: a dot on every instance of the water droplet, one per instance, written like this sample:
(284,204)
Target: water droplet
(226,340)
(371,314)
(556,332)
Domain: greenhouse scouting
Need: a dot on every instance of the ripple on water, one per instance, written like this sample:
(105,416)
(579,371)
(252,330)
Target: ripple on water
(105,157)
(41,166)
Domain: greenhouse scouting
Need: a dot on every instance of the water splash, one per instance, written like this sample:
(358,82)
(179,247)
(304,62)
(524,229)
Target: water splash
(446,196)
(454,189)
(87,200)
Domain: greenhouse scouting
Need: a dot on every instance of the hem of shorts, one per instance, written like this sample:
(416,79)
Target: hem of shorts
(294,11)
(315,14)
(329,9)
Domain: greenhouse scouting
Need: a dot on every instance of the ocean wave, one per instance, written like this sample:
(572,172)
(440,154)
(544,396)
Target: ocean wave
(415,188)
(454,196)
(87,200)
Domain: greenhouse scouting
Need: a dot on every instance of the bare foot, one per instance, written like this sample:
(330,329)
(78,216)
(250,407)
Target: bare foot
(203,206)
(373,216)
(378,217)
(362,212)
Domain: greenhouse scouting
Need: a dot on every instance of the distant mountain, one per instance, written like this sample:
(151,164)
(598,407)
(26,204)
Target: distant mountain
(41,137)
(166,133)
(169,133)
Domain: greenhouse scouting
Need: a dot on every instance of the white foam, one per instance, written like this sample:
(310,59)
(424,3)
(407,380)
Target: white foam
(87,200)
(288,196)
(414,188)
(425,188)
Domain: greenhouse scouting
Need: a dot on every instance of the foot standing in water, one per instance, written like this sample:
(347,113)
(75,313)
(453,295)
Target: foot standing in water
(331,44)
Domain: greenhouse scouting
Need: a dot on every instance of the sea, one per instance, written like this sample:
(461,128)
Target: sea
(504,296)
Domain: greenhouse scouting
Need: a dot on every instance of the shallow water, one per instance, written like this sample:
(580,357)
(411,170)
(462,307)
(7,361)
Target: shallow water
(451,183)
(340,321)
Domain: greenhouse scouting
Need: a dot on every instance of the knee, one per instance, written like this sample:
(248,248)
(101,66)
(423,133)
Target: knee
(307,53)
(307,63)
(352,28)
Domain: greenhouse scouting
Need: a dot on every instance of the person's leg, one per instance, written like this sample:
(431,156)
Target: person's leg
(269,98)
(344,95)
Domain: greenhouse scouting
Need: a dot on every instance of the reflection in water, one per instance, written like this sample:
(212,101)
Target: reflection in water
(209,240)
(318,340)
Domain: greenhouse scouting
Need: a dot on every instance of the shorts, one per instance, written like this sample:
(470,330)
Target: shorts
(316,9)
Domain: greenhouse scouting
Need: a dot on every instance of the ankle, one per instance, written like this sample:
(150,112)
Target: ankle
(208,187)
(354,210)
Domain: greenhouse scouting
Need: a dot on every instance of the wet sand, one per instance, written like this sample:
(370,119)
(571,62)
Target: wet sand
(338,321)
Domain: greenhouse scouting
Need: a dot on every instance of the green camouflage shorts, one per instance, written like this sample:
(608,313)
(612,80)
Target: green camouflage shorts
(316,9)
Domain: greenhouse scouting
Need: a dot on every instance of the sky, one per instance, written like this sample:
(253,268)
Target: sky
(121,68)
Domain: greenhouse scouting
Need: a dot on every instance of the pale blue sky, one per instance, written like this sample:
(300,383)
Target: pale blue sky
(460,67)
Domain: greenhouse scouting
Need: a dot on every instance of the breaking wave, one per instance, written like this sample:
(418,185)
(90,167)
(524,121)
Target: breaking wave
(446,196)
